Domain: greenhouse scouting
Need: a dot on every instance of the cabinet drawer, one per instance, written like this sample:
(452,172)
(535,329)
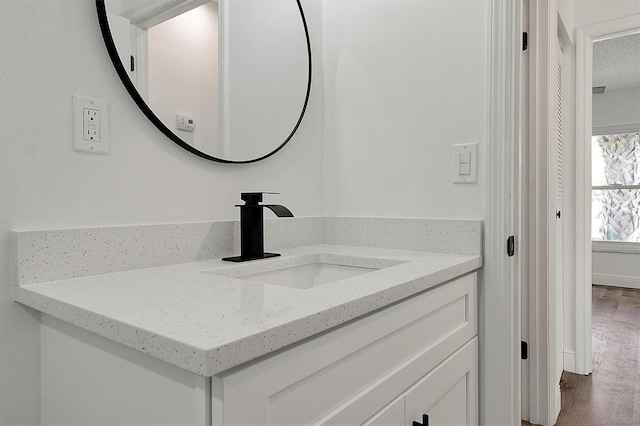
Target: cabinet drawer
(346,375)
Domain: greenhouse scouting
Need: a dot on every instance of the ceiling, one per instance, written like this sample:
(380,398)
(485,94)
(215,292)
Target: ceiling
(616,62)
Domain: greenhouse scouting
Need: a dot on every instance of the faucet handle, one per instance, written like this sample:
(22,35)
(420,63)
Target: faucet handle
(254,197)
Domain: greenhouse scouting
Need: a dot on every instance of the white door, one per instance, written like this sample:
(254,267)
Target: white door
(558,225)
(542,270)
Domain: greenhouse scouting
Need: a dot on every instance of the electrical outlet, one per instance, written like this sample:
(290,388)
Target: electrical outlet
(90,125)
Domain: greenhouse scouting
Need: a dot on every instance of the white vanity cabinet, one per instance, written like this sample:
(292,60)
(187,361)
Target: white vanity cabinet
(417,356)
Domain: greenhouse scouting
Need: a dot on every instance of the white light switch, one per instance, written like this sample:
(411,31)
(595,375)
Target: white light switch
(465,163)
(90,125)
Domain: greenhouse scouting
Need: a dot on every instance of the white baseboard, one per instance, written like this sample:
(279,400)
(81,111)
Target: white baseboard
(616,280)
(570,361)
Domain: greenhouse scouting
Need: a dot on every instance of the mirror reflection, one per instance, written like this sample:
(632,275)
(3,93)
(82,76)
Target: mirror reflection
(229,78)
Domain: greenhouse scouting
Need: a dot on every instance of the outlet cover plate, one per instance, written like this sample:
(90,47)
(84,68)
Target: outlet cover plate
(80,143)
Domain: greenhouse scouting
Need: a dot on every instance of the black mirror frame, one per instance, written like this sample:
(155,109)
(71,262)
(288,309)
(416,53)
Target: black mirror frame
(133,92)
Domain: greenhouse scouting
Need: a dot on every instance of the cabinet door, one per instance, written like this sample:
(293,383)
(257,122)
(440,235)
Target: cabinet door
(449,393)
(392,414)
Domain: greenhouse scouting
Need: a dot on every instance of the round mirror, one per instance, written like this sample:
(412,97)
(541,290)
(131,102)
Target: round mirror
(228,80)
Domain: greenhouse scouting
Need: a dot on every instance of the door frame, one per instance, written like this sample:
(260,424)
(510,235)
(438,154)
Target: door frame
(585,37)
(541,298)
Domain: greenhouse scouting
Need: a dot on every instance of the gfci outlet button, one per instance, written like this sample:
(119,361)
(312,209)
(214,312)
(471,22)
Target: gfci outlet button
(465,163)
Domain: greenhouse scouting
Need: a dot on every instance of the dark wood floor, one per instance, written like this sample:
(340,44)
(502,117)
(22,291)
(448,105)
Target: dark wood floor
(611,394)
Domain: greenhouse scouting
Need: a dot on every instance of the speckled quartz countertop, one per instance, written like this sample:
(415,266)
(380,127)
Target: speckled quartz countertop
(199,317)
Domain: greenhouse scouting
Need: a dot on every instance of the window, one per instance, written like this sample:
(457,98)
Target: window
(615,195)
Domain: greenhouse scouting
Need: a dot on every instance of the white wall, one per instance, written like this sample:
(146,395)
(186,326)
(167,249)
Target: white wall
(183,74)
(616,108)
(266,73)
(565,10)
(145,178)
(587,12)
(616,269)
(404,81)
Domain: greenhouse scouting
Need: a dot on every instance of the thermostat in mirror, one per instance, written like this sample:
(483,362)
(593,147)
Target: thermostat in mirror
(185,122)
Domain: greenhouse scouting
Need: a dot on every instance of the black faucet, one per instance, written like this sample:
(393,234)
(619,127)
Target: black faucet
(252,226)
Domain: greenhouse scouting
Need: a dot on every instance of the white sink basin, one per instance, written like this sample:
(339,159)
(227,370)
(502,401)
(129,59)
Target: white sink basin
(304,271)
(307,276)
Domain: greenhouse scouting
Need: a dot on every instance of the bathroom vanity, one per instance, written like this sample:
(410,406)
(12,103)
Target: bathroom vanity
(383,337)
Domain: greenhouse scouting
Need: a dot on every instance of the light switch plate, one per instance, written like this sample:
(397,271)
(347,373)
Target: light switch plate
(465,163)
(90,125)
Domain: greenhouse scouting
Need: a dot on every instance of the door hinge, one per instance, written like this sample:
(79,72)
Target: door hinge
(525,41)
(524,350)
(511,246)
(133,64)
